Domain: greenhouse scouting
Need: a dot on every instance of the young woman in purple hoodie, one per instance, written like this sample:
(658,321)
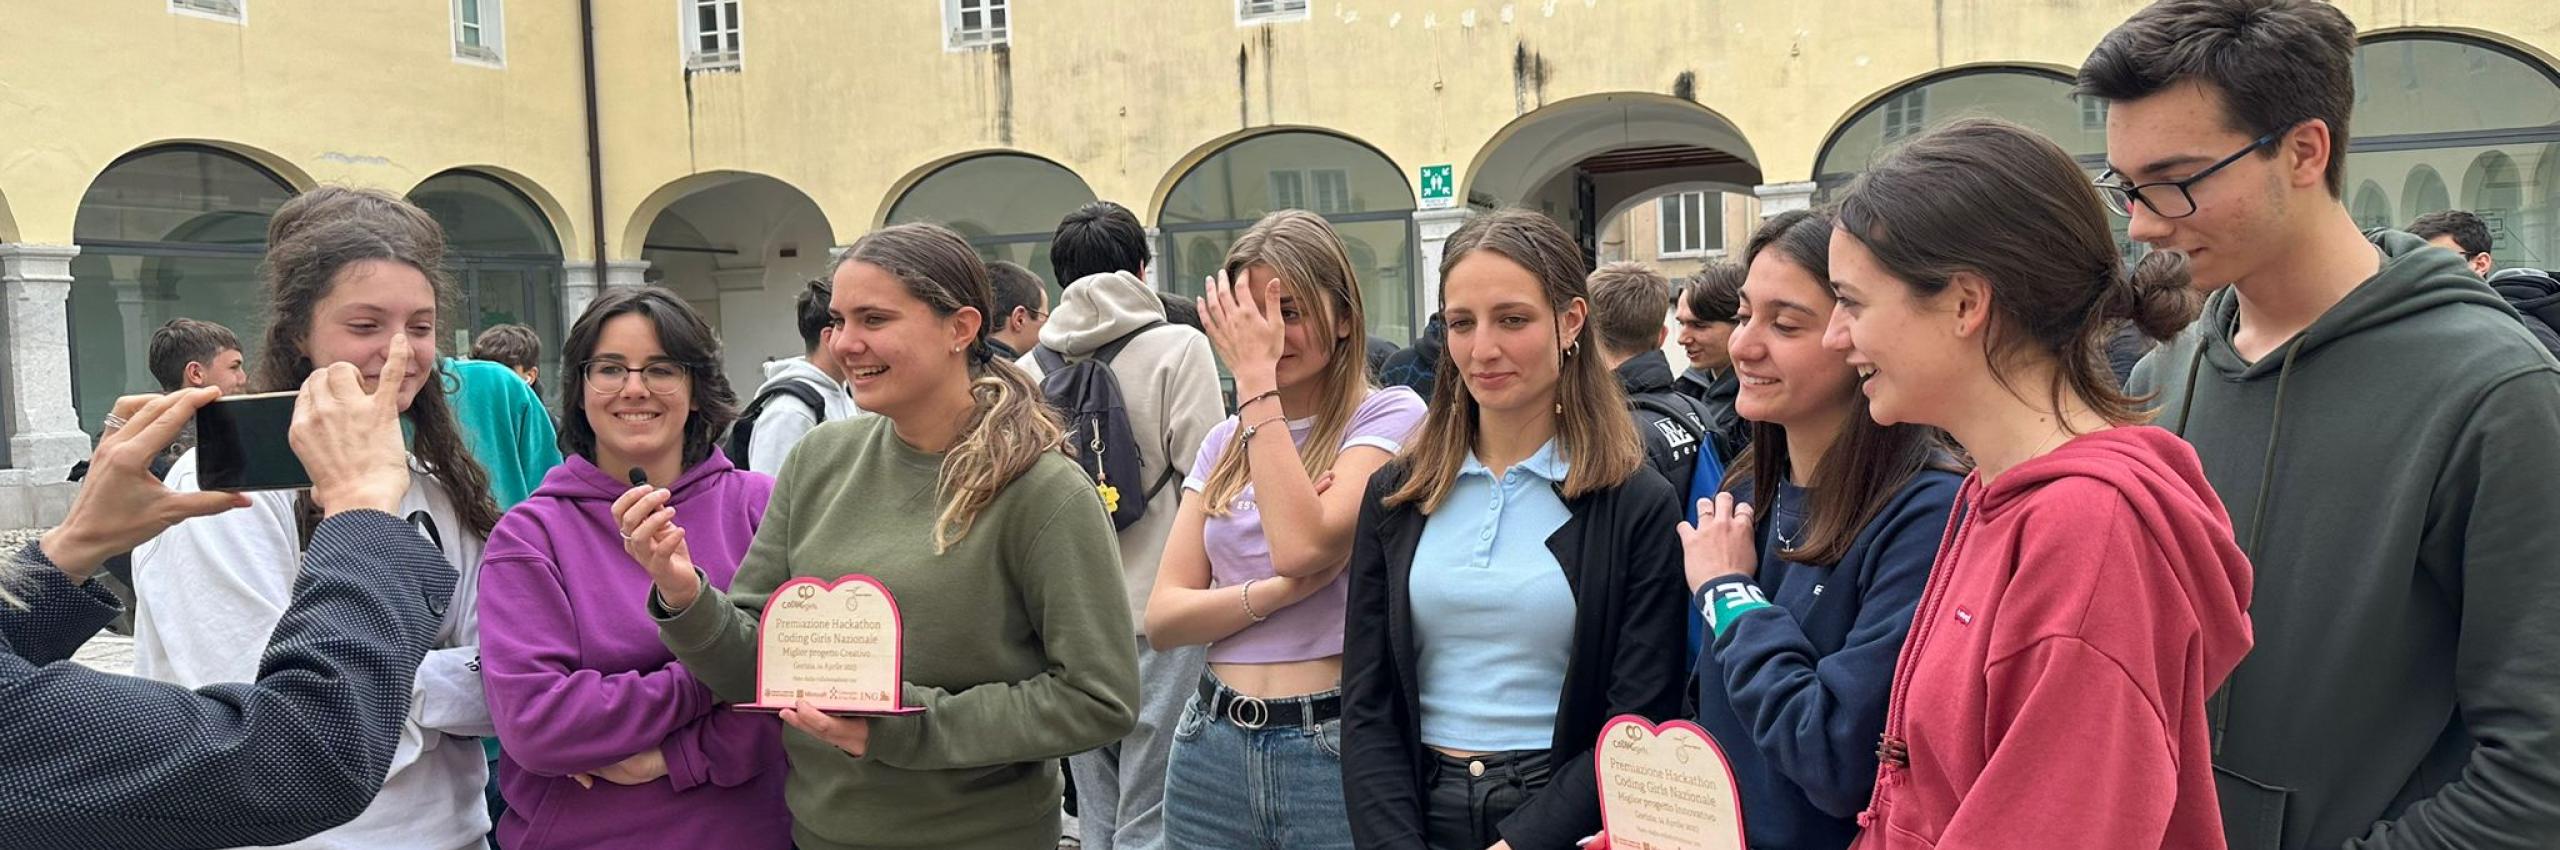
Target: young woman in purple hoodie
(610,740)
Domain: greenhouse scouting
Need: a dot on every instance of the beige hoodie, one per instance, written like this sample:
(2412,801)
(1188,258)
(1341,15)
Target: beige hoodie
(1169,379)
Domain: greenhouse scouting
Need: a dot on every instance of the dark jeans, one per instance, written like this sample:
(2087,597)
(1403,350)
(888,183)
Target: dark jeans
(1465,800)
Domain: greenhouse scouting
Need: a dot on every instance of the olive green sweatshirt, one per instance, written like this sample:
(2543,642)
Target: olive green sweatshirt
(2390,472)
(1017,642)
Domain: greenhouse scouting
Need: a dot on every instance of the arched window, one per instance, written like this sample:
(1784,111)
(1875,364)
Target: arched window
(2041,100)
(504,257)
(167,232)
(2371,208)
(2037,99)
(1007,205)
(2424,193)
(2433,104)
(1353,186)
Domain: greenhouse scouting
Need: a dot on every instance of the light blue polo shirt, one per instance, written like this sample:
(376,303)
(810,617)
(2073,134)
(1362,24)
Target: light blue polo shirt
(1492,613)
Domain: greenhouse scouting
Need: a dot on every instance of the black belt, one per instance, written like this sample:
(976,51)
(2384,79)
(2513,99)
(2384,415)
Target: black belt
(1248,712)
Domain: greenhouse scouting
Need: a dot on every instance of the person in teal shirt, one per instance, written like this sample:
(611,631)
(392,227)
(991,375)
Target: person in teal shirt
(510,432)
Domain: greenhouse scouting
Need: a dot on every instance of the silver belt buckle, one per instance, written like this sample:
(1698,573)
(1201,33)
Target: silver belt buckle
(1237,712)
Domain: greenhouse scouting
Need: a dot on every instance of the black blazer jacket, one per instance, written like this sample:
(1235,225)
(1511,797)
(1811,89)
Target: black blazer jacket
(1620,551)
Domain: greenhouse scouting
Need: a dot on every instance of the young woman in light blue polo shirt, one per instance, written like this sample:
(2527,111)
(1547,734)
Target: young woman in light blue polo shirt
(1515,577)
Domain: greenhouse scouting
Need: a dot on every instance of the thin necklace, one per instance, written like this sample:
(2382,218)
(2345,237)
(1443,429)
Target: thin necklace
(1776,528)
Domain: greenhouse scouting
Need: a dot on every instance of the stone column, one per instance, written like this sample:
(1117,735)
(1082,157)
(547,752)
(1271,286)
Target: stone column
(1159,247)
(1776,198)
(626,273)
(1432,228)
(44,430)
(131,306)
(44,436)
(578,285)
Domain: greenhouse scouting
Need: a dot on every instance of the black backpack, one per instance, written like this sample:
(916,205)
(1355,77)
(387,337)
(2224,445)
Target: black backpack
(1087,395)
(743,432)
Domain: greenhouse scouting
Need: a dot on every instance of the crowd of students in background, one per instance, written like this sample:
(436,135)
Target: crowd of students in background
(1955,529)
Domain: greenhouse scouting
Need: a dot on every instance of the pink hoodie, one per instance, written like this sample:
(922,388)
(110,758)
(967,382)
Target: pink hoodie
(2052,693)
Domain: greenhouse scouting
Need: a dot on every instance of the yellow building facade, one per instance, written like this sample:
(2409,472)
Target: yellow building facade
(724,147)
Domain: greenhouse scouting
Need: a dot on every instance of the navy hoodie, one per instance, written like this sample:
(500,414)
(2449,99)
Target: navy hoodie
(1795,693)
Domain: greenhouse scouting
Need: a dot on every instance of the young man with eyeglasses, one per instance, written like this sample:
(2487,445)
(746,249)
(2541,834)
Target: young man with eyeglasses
(2379,427)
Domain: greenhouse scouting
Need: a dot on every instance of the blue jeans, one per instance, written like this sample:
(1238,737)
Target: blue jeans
(1232,788)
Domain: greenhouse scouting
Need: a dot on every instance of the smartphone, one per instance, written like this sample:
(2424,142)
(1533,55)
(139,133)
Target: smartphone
(241,444)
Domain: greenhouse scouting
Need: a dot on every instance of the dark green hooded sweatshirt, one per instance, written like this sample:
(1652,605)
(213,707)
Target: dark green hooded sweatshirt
(2390,472)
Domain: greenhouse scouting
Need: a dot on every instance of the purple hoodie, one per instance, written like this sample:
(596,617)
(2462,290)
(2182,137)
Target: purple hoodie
(578,681)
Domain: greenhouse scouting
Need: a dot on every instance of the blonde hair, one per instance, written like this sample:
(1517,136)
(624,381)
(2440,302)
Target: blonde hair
(1307,255)
(1011,426)
(1593,431)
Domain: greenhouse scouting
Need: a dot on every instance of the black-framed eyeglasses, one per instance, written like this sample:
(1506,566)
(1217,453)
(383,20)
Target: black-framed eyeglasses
(2169,198)
(663,377)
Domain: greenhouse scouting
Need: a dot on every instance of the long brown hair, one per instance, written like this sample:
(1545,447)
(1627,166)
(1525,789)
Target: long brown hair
(1594,430)
(1866,465)
(1304,251)
(1995,199)
(310,241)
(1011,427)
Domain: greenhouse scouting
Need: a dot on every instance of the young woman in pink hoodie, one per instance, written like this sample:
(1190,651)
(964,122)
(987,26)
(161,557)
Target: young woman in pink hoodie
(2088,598)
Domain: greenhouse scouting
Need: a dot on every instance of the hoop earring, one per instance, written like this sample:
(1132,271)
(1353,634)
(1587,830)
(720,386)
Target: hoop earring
(1572,349)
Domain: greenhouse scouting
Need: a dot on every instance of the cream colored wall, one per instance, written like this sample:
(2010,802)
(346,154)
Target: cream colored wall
(361,92)
(846,101)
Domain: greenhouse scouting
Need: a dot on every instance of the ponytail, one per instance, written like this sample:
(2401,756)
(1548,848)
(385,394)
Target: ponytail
(1010,429)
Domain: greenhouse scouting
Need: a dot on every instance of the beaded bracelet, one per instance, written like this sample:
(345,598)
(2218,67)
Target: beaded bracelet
(1245,592)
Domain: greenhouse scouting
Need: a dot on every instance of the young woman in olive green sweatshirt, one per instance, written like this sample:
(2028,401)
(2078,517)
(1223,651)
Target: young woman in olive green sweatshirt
(1004,565)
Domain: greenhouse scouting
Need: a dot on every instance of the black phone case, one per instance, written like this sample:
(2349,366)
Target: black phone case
(242,445)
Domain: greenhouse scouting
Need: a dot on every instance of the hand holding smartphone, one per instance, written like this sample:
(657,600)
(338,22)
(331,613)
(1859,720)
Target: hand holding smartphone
(243,444)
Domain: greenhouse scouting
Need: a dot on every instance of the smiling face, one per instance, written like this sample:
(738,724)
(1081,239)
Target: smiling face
(1505,342)
(636,424)
(228,372)
(1706,339)
(1788,376)
(369,303)
(896,354)
(2244,212)
(1907,350)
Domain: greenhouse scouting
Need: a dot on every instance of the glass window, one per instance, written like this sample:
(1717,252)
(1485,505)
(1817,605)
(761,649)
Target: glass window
(712,35)
(478,30)
(975,23)
(166,233)
(1692,224)
(504,258)
(2371,208)
(1007,205)
(1257,11)
(2039,100)
(2423,193)
(1360,191)
(2428,106)
(235,11)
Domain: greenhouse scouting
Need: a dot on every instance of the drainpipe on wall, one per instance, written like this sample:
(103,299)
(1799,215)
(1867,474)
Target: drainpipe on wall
(595,139)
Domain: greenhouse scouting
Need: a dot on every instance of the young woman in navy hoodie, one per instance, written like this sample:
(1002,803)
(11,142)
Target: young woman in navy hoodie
(2089,597)
(1809,567)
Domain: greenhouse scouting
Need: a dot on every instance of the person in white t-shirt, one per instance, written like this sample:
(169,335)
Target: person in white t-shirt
(349,272)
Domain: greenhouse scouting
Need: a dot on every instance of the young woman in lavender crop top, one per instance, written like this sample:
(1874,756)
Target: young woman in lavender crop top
(1255,565)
